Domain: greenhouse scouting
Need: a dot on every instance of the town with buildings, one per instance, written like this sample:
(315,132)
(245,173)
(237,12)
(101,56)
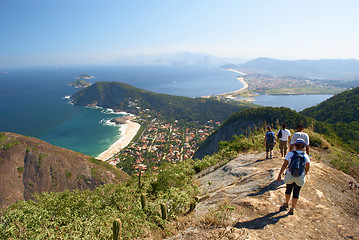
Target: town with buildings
(160,141)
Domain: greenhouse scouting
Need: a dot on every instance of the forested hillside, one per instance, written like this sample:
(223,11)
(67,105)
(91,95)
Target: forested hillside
(124,97)
(342,111)
(243,123)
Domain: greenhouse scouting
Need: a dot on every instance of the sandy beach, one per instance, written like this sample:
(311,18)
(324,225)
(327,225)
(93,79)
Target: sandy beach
(236,71)
(129,131)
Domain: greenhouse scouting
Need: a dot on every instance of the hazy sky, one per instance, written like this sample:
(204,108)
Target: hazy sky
(36,32)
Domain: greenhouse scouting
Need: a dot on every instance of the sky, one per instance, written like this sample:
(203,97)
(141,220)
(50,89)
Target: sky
(42,32)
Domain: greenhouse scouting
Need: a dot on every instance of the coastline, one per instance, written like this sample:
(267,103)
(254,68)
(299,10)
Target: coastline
(229,94)
(129,131)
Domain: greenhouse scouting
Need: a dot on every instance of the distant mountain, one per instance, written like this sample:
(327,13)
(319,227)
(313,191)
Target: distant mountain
(29,165)
(124,97)
(325,68)
(181,58)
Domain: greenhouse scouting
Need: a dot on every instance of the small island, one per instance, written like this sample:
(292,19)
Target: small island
(80,84)
(83,76)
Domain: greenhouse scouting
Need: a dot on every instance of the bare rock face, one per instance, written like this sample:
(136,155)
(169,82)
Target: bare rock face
(121,120)
(29,165)
(242,200)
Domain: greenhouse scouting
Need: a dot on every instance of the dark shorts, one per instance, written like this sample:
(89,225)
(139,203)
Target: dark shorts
(269,146)
(293,187)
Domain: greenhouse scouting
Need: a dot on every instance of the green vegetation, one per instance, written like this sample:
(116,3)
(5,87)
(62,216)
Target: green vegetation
(90,214)
(342,112)
(20,170)
(6,143)
(68,174)
(41,158)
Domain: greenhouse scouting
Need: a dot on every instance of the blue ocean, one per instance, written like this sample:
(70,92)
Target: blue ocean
(33,103)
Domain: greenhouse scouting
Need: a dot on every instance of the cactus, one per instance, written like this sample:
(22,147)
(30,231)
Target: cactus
(163,211)
(192,206)
(143,201)
(117,229)
(140,180)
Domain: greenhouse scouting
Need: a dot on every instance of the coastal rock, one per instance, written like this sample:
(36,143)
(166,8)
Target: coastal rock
(121,120)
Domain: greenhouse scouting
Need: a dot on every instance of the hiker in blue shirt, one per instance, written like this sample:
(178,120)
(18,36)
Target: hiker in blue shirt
(269,141)
(297,165)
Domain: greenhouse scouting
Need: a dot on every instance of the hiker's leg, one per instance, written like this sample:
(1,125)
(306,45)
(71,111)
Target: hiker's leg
(288,192)
(296,190)
(281,147)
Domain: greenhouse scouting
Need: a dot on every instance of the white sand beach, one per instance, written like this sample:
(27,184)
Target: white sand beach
(129,132)
(236,71)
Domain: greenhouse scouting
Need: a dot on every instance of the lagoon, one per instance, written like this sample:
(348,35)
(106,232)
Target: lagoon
(294,102)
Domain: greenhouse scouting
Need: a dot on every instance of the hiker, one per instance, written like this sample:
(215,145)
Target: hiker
(269,141)
(297,165)
(284,140)
(300,134)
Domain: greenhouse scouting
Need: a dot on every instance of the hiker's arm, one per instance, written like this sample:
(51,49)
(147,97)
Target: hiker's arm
(307,149)
(307,166)
(284,166)
(265,140)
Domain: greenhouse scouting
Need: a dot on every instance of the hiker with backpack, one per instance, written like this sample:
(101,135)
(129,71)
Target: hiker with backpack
(300,134)
(284,138)
(269,141)
(297,164)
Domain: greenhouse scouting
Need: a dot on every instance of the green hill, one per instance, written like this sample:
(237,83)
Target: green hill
(342,111)
(243,123)
(124,97)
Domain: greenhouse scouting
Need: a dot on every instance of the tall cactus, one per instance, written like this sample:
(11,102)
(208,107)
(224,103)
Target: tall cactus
(164,211)
(117,229)
(143,201)
(192,206)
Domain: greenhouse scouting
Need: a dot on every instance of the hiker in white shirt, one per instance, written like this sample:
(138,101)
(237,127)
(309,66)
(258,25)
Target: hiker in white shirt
(295,173)
(302,135)
(284,139)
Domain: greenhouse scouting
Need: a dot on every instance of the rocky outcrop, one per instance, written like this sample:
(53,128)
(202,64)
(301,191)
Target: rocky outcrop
(242,200)
(121,120)
(29,165)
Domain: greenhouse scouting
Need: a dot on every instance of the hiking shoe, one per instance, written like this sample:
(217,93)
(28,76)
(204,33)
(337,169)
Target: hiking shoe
(284,207)
(291,211)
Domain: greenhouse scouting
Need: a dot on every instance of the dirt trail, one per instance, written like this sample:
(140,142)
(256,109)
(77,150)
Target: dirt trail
(242,200)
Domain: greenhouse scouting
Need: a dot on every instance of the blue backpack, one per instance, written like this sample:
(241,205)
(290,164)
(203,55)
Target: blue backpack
(297,164)
(270,137)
